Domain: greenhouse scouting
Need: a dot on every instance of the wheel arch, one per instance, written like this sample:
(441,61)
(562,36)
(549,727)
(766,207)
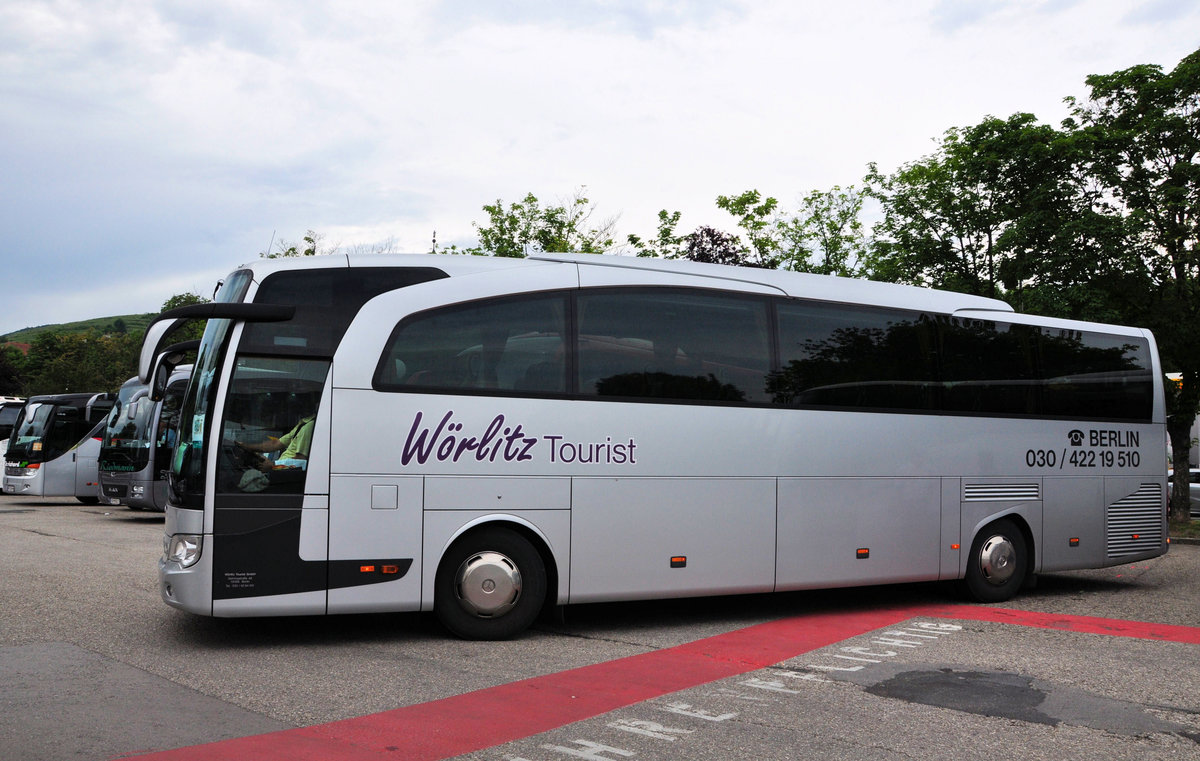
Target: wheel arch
(1021,521)
(526,528)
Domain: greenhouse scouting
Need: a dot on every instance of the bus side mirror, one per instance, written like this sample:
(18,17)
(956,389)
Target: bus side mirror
(165,363)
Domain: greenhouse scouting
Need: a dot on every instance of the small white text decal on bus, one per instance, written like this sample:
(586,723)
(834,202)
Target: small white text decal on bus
(500,440)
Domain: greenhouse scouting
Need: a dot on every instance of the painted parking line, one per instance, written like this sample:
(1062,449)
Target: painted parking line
(485,718)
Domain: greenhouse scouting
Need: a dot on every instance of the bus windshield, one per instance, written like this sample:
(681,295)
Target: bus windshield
(187,465)
(126,444)
(46,431)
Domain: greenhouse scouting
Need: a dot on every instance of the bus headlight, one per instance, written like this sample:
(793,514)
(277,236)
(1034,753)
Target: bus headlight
(184,549)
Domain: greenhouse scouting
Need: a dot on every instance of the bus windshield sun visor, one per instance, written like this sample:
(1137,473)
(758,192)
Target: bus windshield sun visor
(169,321)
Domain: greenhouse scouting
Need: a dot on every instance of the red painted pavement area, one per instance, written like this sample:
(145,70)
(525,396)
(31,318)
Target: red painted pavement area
(482,719)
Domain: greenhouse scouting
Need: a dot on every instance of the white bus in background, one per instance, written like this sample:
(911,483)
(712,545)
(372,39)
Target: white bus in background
(53,447)
(10,412)
(487,437)
(139,435)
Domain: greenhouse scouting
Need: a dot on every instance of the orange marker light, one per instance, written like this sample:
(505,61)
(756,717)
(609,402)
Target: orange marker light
(390,569)
(366,569)
(862,553)
(679,561)
(1073,541)
(956,546)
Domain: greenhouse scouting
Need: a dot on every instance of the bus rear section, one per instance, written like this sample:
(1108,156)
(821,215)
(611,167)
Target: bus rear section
(54,448)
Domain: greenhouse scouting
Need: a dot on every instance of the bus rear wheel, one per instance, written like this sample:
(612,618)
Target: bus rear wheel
(998,563)
(490,585)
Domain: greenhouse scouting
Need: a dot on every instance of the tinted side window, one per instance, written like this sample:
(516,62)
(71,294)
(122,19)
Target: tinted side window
(673,344)
(326,301)
(834,355)
(988,367)
(512,344)
(1093,375)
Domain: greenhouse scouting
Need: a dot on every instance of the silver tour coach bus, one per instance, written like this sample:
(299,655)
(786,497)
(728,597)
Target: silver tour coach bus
(53,447)
(485,437)
(139,436)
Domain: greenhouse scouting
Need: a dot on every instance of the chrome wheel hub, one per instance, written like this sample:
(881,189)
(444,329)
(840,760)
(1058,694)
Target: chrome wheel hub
(997,559)
(488,584)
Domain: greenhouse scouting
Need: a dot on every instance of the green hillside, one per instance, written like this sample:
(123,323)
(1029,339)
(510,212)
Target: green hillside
(133,323)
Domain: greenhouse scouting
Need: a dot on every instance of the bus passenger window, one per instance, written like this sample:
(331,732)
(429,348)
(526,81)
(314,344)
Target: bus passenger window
(507,346)
(673,344)
(853,357)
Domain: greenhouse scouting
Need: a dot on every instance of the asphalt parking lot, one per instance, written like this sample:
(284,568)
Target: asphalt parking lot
(1097,664)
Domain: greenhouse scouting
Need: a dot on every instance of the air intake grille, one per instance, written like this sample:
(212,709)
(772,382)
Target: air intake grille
(1135,524)
(1000,492)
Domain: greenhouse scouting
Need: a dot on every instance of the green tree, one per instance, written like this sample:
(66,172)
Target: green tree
(826,236)
(666,243)
(75,362)
(1143,129)
(310,245)
(526,227)
(195,328)
(757,217)
(12,367)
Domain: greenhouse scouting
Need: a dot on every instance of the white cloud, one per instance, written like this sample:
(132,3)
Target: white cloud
(146,140)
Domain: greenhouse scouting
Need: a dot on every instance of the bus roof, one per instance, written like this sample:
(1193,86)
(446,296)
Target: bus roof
(796,284)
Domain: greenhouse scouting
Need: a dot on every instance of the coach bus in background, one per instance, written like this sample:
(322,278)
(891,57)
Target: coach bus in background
(484,438)
(53,447)
(138,438)
(10,411)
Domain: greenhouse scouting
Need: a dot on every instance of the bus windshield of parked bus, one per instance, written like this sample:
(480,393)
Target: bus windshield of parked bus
(47,431)
(126,444)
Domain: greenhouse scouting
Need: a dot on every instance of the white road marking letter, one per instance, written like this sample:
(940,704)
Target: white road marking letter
(649,729)
(895,642)
(908,634)
(938,627)
(737,695)
(852,658)
(769,684)
(805,677)
(836,668)
(685,709)
(864,651)
(590,751)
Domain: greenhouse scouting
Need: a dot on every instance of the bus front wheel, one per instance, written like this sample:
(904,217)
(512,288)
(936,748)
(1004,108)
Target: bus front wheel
(490,585)
(998,563)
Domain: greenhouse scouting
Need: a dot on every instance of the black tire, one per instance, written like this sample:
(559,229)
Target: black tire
(89,500)
(497,557)
(998,562)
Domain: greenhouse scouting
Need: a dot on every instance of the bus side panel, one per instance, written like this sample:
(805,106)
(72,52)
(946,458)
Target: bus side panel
(1135,518)
(625,533)
(850,531)
(1069,513)
(87,472)
(57,477)
(951,547)
(375,521)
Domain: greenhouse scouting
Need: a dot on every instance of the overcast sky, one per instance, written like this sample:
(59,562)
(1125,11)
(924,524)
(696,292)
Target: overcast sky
(148,147)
